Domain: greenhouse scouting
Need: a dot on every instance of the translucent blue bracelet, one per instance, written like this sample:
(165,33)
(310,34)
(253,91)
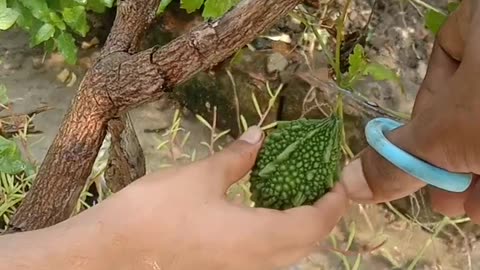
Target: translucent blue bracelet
(375,132)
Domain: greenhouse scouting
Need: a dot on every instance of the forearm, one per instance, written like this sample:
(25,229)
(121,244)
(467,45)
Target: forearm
(64,247)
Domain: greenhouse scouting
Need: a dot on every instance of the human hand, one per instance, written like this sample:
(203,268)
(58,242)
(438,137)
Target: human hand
(443,130)
(179,218)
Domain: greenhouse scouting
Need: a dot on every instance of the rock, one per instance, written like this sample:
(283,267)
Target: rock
(276,62)
(295,26)
(13,61)
(12,66)
(63,75)
(422,69)
(262,43)
(37,62)
(89,44)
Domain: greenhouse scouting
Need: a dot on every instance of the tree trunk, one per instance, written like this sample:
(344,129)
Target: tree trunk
(126,161)
(121,80)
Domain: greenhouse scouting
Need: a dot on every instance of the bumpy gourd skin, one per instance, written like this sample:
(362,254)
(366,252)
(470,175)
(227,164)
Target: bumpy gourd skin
(298,163)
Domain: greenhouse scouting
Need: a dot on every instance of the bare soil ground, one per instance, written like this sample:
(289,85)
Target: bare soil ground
(397,38)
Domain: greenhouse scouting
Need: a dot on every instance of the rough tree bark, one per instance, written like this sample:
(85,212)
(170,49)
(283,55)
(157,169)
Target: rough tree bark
(122,79)
(126,161)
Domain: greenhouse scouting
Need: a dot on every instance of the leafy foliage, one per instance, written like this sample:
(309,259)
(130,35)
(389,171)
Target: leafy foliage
(11,161)
(12,190)
(15,173)
(8,17)
(53,23)
(360,67)
(3,95)
(212,9)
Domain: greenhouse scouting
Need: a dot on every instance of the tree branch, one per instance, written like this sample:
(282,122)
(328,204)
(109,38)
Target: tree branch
(126,161)
(69,160)
(131,22)
(119,82)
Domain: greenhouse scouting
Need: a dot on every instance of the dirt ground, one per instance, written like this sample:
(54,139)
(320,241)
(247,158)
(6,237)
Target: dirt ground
(397,38)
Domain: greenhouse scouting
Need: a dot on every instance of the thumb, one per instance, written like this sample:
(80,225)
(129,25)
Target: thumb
(373,179)
(235,161)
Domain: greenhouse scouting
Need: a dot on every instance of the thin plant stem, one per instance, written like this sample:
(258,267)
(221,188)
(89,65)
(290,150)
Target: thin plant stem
(339,40)
(428,6)
(439,228)
(237,103)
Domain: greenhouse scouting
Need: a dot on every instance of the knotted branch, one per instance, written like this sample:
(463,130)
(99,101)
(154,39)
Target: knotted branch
(120,81)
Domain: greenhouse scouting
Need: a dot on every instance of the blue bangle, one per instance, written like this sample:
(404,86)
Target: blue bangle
(440,178)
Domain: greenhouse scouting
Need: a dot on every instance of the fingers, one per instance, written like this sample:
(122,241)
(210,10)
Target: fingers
(448,203)
(453,33)
(302,227)
(235,161)
(373,179)
(441,67)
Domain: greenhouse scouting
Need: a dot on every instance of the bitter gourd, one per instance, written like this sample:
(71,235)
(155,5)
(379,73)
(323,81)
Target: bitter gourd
(298,163)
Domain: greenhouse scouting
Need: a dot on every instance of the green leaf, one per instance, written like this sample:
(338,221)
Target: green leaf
(59,5)
(380,72)
(66,45)
(96,5)
(163,5)
(8,17)
(357,61)
(76,18)
(434,20)
(10,157)
(44,33)
(26,20)
(57,21)
(49,45)
(108,3)
(452,6)
(217,8)
(38,8)
(3,94)
(191,5)
(3,4)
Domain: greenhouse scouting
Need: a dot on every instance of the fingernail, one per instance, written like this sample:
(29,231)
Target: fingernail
(354,182)
(252,135)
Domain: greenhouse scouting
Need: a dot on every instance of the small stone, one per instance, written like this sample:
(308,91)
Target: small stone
(12,66)
(63,75)
(88,44)
(276,62)
(295,26)
(262,43)
(422,69)
(73,80)
(37,62)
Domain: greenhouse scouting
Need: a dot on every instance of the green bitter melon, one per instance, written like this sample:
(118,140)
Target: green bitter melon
(298,163)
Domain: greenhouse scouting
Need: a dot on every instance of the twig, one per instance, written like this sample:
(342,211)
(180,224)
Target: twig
(428,6)
(271,102)
(439,228)
(235,97)
(213,129)
(29,114)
